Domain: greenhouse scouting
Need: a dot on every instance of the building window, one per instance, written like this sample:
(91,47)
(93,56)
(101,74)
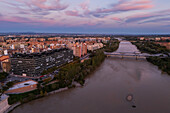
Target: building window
(19,61)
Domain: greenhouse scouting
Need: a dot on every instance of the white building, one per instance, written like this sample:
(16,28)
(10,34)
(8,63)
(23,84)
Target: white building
(95,46)
(5,52)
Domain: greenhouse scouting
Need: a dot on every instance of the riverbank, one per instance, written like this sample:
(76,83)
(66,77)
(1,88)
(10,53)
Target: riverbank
(15,105)
(12,107)
(153,48)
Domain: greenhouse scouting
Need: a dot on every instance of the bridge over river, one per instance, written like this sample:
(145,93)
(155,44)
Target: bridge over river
(131,51)
(133,54)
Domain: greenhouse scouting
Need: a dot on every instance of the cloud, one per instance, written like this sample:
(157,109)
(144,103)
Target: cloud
(137,18)
(48,4)
(148,17)
(166,19)
(123,6)
(72,13)
(85,5)
(166,26)
(116,19)
(24,20)
(87,13)
(40,7)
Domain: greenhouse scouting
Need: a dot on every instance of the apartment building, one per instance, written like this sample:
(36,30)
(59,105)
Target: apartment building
(34,64)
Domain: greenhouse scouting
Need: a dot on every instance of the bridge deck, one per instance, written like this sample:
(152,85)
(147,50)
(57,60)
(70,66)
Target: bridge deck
(134,54)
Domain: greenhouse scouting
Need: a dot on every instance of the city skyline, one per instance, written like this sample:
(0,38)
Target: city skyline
(85,16)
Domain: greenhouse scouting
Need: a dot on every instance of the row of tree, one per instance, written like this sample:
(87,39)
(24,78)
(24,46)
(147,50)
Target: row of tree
(3,75)
(78,71)
(150,47)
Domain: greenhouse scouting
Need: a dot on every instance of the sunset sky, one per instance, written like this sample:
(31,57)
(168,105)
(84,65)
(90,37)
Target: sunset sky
(85,16)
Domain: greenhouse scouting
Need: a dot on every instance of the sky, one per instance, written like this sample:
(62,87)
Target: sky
(85,16)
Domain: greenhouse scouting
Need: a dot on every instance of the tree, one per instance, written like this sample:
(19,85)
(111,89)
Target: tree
(1,92)
(54,86)
(10,84)
(3,75)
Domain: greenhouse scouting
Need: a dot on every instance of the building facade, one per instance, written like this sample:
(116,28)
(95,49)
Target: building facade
(34,64)
(5,64)
(94,46)
(79,49)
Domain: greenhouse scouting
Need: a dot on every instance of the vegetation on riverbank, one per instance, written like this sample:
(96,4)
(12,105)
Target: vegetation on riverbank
(162,63)
(52,69)
(23,97)
(150,47)
(112,45)
(78,71)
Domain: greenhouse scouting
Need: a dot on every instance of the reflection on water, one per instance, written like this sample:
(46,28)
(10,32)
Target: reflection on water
(126,46)
(107,89)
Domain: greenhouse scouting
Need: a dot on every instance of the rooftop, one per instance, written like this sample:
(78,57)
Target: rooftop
(31,55)
(2,58)
(23,84)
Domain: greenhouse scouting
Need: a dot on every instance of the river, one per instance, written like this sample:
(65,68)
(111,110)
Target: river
(108,87)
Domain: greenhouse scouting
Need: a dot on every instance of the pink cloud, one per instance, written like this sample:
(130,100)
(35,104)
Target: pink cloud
(72,13)
(83,23)
(85,5)
(39,7)
(30,21)
(124,5)
(14,19)
(148,16)
(137,7)
(142,2)
(49,4)
(116,19)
